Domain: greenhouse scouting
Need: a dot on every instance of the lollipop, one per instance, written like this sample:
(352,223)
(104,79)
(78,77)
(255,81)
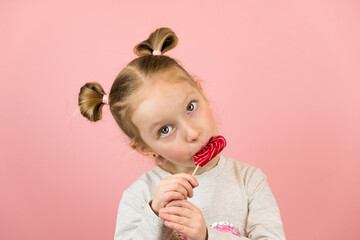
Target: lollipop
(213,148)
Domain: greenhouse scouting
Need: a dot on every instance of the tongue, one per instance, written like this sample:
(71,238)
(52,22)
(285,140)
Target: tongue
(213,148)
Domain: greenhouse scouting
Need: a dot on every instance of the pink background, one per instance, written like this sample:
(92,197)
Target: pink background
(283,78)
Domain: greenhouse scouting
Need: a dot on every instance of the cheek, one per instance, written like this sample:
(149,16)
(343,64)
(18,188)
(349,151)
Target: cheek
(209,120)
(173,152)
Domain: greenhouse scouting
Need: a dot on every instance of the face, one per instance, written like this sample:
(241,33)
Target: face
(175,122)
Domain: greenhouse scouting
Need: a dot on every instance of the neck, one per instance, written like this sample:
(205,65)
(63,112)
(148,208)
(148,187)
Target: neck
(174,168)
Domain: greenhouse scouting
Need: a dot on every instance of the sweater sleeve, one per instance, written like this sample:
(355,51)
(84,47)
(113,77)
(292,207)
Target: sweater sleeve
(264,221)
(136,220)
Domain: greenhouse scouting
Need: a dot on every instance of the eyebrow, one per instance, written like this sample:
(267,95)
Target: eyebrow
(160,121)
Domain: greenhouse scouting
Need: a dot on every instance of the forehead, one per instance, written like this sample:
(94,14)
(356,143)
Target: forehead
(162,90)
(164,93)
(160,82)
(162,85)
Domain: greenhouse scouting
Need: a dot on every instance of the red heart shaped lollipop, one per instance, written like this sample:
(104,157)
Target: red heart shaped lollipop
(213,148)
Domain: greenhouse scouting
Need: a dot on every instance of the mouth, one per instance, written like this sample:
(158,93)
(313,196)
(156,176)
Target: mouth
(203,147)
(213,148)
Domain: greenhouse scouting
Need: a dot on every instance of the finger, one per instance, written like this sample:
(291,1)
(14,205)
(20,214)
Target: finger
(179,211)
(188,187)
(178,227)
(181,203)
(175,219)
(174,185)
(177,187)
(191,179)
(173,196)
(181,185)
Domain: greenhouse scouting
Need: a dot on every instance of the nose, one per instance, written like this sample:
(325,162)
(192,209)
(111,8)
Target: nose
(192,131)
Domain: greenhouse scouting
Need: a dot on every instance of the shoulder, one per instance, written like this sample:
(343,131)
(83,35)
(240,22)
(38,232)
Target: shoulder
(144,186)
(243,169)
(250,176)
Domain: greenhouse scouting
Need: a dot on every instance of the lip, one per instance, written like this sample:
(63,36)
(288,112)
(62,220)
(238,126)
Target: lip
(203,146)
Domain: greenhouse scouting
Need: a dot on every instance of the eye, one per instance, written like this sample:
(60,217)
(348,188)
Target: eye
(164,131)
(191,106)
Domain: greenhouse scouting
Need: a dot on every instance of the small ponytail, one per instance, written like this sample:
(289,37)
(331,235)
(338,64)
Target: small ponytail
(162,39)
(91,101)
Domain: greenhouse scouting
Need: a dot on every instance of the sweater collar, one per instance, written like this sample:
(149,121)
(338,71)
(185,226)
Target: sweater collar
(209,174)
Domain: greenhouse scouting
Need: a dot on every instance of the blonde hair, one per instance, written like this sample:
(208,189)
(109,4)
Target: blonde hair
(130,80)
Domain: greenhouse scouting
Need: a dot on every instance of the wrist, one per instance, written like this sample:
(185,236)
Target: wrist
(153,208)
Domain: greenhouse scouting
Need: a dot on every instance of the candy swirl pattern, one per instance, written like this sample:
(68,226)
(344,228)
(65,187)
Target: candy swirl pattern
(213,148)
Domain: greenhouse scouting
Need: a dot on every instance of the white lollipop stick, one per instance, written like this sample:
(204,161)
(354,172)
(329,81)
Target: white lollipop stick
(195,169)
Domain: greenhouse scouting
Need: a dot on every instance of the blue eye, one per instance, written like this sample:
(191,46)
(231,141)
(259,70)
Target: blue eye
(191,106)
(164,131)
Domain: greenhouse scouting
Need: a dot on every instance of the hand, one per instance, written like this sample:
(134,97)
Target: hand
(176,187)
(183,217)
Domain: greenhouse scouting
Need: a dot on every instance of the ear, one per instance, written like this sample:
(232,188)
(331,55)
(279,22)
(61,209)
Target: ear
(142,149)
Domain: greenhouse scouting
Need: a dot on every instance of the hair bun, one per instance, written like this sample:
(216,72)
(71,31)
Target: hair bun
(91,101)
(162,39)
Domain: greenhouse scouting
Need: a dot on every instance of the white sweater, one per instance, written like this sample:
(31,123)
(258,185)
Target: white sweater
(234,198)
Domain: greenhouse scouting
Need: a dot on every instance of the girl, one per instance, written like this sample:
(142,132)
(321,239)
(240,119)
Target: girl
(167,117)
